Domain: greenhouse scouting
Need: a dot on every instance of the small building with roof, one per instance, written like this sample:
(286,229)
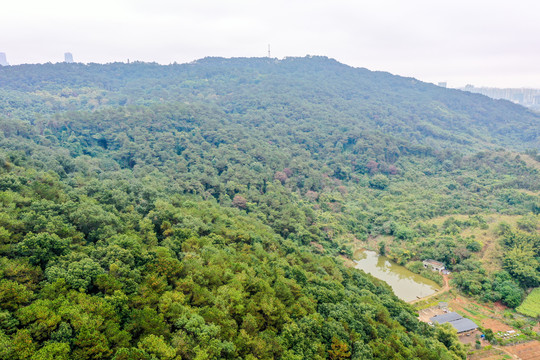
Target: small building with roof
(464,325)
(444,318)
(433,265)
(443,305)
(459,323)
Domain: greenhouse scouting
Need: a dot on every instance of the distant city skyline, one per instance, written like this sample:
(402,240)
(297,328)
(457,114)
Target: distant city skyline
(523,96)
(485,43)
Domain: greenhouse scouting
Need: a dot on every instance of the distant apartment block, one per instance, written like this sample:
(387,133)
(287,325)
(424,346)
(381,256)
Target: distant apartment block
(526,97)
(68,57)
(3,59)
(442,84)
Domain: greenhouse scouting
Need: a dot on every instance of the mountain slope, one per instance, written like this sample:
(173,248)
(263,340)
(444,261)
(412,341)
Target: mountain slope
(197,211)
(316,89)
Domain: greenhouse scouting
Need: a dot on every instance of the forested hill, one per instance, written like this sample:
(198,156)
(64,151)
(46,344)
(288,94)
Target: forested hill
(314,89)
(202,211)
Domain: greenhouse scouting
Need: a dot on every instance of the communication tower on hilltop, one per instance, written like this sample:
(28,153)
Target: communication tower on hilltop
(269,51)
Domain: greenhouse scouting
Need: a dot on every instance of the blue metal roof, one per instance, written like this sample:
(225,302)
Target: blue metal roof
(463,325)
(441,319)
(460,323)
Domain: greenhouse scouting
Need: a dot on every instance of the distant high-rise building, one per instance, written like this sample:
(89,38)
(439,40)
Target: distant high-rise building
(3,59)
(442,84)
(68,57)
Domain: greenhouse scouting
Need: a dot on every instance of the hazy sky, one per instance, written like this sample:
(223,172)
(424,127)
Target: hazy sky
(490,43)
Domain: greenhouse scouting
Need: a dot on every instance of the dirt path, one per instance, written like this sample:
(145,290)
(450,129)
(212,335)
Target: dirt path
(507,352)
(445,288)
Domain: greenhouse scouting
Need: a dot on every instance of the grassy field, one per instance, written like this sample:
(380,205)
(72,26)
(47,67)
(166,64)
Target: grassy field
(531,305)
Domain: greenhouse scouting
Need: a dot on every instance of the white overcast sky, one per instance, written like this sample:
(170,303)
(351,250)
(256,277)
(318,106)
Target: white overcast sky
(485,43)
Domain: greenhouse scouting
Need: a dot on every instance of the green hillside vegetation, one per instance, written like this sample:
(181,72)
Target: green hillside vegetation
(120,268)
(196,211)
(531,305)
(474,273)
(310,90)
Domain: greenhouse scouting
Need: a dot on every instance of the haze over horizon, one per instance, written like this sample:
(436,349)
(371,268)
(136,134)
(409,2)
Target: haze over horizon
(493,44)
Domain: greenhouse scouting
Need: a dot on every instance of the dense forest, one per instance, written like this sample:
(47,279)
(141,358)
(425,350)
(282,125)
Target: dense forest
(201,211)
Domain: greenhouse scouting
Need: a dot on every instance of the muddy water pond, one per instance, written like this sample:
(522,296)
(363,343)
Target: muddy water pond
(407,285)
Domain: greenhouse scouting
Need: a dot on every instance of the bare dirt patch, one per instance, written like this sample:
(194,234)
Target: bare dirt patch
(426,314)
(525,351)
(498,306)
(470,338)
(492,354)
(495,325)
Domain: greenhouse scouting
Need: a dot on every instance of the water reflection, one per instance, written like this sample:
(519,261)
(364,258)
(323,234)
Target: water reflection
(407,285)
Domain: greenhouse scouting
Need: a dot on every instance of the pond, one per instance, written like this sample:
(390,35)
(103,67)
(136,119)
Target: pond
(407,285)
